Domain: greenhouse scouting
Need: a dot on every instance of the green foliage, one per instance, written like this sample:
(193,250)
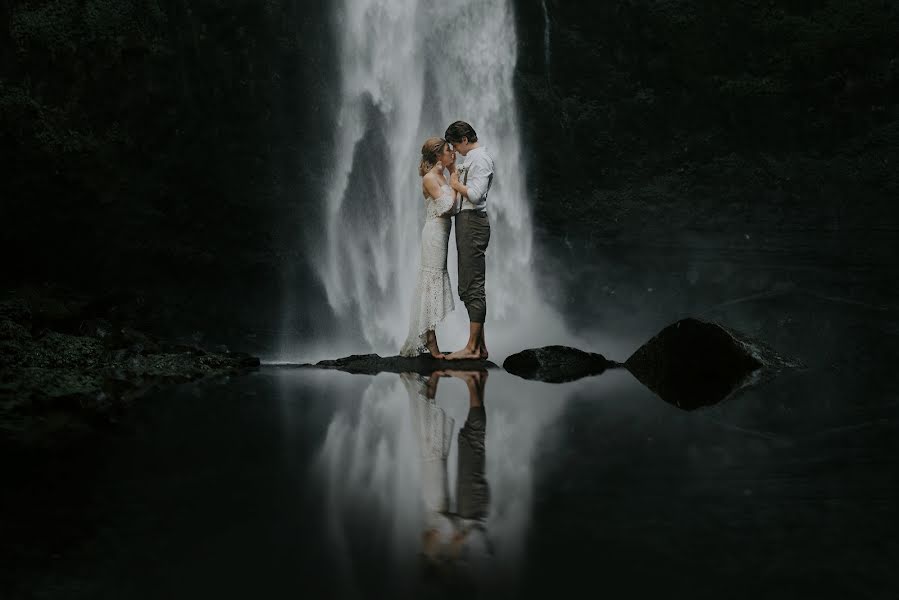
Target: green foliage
(51,25)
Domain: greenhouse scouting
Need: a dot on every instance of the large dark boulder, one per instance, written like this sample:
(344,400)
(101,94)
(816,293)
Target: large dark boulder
(693,363)
(556,364)
(372,364)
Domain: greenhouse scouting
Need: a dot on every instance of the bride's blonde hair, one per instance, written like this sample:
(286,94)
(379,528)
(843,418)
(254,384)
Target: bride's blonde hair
(429,153)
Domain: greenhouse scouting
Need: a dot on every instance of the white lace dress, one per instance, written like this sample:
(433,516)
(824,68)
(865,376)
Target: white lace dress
(433,298)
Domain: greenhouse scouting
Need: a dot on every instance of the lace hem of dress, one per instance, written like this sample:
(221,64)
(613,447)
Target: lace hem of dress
(435,301)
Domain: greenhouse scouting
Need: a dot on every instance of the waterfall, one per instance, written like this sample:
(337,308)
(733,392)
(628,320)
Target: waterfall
(408,68)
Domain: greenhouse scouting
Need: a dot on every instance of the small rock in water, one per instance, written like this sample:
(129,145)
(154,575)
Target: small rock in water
(556,364)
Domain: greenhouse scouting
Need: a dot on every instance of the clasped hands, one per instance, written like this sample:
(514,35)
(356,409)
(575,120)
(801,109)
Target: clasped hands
(454,181)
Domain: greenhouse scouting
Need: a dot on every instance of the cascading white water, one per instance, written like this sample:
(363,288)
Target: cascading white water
(408,69)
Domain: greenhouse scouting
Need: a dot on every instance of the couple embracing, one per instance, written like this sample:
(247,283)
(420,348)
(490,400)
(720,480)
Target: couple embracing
(462,197)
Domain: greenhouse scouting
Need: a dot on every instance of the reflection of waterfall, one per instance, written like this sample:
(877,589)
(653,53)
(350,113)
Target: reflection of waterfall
(408,69)
(374,486)
(369,480)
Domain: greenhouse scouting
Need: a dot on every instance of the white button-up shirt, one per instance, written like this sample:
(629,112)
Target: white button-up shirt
(480,175)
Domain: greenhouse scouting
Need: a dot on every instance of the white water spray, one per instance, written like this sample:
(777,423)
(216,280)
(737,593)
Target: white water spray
(408,69)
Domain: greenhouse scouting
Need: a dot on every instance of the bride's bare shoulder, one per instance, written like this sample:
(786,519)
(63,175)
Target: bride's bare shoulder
(431,184)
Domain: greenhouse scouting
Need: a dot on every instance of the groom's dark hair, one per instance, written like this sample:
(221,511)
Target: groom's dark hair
(458,130)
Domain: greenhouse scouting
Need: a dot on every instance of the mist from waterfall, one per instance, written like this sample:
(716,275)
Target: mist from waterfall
(408,68)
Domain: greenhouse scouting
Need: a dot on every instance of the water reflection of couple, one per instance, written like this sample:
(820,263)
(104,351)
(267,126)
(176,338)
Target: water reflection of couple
(451,537)
(464,197)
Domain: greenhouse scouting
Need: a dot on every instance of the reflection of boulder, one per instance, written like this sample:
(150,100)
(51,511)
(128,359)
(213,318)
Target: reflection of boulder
(556,364)
(692,363)
(372,364)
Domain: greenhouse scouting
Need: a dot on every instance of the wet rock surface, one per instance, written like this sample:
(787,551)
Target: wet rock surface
(58,383)
(556,364)
(372,364)
(693,363)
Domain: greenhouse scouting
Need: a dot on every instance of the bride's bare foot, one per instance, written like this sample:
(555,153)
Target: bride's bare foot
(431,342)
(464,354)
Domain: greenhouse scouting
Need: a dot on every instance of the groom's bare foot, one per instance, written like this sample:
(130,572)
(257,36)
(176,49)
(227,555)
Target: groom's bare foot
(464,354)
(483,352)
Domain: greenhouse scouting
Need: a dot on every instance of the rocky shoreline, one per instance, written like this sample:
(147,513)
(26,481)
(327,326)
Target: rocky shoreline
(689,364)
(69,366)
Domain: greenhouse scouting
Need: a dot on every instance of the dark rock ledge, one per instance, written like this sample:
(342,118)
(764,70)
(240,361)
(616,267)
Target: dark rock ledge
(689,364)
(372,364)
(65,372)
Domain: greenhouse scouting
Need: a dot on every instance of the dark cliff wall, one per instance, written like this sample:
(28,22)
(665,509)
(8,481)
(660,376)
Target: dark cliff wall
(682,108)
(162,145)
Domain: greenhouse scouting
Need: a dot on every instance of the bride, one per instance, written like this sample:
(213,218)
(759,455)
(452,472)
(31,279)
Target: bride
(433,298)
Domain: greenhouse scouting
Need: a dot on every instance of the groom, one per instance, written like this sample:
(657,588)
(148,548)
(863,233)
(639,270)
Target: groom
(472,233)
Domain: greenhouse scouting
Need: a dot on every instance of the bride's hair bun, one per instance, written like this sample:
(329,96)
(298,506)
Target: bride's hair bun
(429,153)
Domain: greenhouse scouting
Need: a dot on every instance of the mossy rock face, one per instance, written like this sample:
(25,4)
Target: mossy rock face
(11,331)
(59,387)
(50,398)
(15,310)
(61,351)
(70,363)
(15,342)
